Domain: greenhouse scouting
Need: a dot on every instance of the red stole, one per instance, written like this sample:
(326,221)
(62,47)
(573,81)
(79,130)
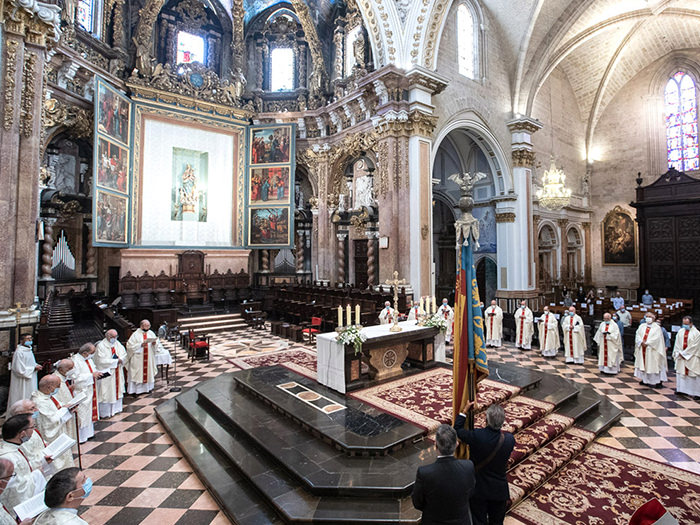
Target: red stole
(644,341)
(571,337)
(94,394)
(605,345)
(55,402)
(685,345)
(546,329)
(491,315)
(145,359)
(522,321)
(116,373)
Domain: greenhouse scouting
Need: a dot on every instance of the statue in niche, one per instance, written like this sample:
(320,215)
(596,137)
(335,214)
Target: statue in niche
(317,78)
(358,49)
(301,102)
(144,62)
(364,190)
(239,83)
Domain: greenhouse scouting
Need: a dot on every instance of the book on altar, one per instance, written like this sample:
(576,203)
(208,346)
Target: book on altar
(31,508)
(76,400)
(58,446)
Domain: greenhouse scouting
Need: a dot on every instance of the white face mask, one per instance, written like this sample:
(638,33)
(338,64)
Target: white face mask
(112,340)
(70,374)
(649,320)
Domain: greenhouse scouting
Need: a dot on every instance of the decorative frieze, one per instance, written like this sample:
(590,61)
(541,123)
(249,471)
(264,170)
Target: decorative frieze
(505,217)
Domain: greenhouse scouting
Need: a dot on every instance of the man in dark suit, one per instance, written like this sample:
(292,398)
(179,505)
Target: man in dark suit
(442,490)
(489,449)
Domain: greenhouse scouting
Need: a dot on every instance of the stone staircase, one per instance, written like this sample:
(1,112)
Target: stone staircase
(275,447)
(208,324)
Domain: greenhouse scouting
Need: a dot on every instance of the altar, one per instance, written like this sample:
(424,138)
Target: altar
(384,351)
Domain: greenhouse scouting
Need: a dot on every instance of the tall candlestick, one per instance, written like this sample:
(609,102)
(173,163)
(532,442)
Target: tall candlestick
(357,314)
(349,316)
(340,316)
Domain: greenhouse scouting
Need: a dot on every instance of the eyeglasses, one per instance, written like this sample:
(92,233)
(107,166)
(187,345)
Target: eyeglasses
(8,478)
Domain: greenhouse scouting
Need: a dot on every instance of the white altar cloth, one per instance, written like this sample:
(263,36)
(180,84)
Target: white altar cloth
(330,354)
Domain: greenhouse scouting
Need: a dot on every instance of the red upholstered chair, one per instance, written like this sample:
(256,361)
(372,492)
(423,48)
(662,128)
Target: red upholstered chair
(313,328)
(199,346)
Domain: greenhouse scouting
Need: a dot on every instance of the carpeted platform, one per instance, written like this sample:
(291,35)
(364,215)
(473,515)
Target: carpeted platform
(538,434)
(425,399)
(606,485)
(299,360)
(521,412)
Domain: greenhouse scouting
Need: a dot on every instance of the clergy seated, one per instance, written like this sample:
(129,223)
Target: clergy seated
(65,492)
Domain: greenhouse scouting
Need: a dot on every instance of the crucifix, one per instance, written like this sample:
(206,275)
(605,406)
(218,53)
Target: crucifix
(395,283)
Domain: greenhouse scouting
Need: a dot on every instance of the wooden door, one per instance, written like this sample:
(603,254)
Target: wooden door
(360,254)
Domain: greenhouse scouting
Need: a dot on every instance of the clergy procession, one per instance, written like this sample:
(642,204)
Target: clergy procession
(48,419)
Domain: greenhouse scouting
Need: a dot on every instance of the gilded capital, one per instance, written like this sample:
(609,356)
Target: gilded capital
(505,217)
(32,20)
(523,158)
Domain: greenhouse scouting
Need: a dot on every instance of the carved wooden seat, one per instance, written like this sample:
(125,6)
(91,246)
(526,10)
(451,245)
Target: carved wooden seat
(128,291)
(146,284)
(163,285)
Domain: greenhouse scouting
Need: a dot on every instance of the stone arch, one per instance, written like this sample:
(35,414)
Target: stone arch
(548,253)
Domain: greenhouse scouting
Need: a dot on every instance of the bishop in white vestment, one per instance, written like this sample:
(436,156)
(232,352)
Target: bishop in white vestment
(24,484)
(32,448)
(650,353)
(23,378)
(548,332)
(524,327)
(86,375)
(493,317)
(574,337)
(414,312)
(686,353)
(387,315)
(110,356)
(64,396)
(448,314)
(609,344)
(7,469)
(52,418)
(141,359)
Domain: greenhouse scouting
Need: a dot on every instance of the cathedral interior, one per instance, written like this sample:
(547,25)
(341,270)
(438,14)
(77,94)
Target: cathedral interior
(172,158)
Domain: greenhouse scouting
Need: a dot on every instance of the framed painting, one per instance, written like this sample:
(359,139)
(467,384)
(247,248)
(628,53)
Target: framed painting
(190,190)
(112,166)
(269,185)
(268,227)
(270,145)
(112,113)
(619,237)
(111,218)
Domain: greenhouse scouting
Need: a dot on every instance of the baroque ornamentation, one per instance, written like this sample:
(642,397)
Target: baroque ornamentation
(505,217)
(523,158)
(27,110)
(319,79)
(238,40)
(359,221)
(33,20)
(78,121)
(10,70)
(142,36)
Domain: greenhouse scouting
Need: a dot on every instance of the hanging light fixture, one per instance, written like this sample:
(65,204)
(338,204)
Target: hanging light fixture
(554,194)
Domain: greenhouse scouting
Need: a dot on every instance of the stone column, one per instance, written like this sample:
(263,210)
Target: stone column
(340,256)
(47,250)
(372,257)
(536,254)
(520,267)
(265,261)
(90,254)
(118,33)
(300,251)
(563,259)
(26,28)
(587,278)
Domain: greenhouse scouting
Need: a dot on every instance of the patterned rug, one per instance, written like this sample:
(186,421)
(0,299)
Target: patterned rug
(606,485)
(298,360)
(521,412)
(425,399)
(537,435)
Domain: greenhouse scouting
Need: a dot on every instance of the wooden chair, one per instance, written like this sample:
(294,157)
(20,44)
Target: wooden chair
(312,328)
(198,346)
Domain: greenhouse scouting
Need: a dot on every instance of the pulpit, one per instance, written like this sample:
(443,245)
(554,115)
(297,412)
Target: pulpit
(384,351)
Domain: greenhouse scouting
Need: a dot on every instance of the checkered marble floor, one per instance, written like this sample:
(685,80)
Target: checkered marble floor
(141,477)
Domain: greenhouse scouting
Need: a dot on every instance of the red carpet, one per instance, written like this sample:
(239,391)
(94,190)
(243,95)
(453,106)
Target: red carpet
(536,435)
(521,412)
(301,361)
(425,399)
(606,485)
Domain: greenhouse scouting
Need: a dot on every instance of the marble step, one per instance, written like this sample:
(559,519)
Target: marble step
(282,491)
(601,418)
(206,318)
(322,468)
(353,426)
(555,389)
(239,500)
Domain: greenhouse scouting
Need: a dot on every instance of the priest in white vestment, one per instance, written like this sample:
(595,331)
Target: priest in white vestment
(574,337)
(686,353)
(65,492)
(548,332)
(23,378)
(65,372)
(34,447)
(524,327)
(86,375)
(650,353)
(609,343)
(7,469)
(53,417)
(414,312)
(448,314)
(387,315)
(27,482)
(493,317)
(141,359)
(110,356)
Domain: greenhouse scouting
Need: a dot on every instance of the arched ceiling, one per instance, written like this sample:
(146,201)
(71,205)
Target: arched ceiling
(321,10)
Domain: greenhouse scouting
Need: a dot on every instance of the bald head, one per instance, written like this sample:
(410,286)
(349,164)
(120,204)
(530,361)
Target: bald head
(111,334)
(24,406)
(493,303)
(87,349)
(607,316)
(572,310)
(49,383)
(6,468)
(65,366)
(145,325)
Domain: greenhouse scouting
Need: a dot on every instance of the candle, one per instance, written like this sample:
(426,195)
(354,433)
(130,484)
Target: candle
(340,316)
(357,314)
(420,309)
(434,305)
(349,316)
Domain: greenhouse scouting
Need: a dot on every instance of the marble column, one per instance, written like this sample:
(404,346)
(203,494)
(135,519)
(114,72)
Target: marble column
(340,256)
(535,230)
(26,28)
(265,261)
(372,257)
(300,251)
(563,259)
(587,253)
(90,254)
(47,250)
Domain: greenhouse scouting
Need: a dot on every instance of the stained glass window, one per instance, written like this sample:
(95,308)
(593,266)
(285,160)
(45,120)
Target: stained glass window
(465,41)
(190,48)
(681,110)
(282,69)
(86,15)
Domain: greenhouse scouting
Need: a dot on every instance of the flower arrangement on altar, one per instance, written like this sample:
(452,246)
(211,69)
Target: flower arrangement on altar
(436,320)
(351,335)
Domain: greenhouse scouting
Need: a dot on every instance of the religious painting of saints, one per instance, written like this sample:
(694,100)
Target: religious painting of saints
(270,145)
(269,185)
(619,238)
(112,166)
(113,112)
(189,192)
(111,218)
(268,227)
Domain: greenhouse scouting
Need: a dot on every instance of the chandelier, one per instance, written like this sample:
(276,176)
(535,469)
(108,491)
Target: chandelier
(554,194)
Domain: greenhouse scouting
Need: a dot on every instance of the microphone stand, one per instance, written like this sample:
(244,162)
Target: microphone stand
(175,388)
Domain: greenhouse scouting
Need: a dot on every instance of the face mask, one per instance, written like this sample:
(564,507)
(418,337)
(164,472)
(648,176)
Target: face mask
(648,320)
(28,344)
(55,392)
(70,374)
(87,487)
(686,326)
(113,340)
(24,439)
(444,303)
(546,312)
(35,415)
